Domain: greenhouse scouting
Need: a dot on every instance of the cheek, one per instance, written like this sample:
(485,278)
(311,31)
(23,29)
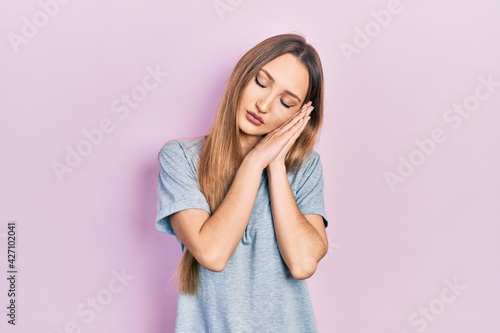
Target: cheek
(245,97)
(250,90)
(281,119)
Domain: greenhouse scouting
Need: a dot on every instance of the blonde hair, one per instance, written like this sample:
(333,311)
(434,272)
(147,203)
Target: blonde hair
(221,153)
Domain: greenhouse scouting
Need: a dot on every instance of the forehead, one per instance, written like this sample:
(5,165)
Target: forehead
(289,74)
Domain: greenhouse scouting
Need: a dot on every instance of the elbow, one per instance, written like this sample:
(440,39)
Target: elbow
(214,266)
(212,261)
(305,270)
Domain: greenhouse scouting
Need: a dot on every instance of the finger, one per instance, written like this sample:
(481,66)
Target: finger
(302,125)
(310,110)
(295,135)
(303,109)
(285,134)
(301,113)
(294,131)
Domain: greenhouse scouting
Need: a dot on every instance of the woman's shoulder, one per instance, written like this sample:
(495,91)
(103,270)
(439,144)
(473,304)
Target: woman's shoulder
(313,155)
(311,159)
(310,164)
(185,145)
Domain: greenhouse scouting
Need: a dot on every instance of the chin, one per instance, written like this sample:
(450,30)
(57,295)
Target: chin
(245,131)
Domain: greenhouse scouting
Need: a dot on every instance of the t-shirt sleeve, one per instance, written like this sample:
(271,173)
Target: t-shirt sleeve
(309,191)
(178,187)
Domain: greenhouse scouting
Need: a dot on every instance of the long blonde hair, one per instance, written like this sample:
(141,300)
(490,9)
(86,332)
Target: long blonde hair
(221,154)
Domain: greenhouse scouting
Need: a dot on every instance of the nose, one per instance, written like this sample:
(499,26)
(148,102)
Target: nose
(264,104)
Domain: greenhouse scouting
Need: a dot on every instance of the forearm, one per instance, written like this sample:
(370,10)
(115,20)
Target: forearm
(220,234)
(300,244)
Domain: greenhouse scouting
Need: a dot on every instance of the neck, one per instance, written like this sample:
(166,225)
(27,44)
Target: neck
(248,142)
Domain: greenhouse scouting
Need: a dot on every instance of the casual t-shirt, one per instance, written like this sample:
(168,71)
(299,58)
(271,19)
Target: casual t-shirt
(256,291)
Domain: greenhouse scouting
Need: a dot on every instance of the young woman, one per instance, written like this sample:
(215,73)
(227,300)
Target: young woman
(246,201)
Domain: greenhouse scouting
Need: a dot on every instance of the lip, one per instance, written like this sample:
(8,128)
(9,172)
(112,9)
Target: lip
(255,119)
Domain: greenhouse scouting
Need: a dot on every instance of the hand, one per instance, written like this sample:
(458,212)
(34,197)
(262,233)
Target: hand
(275,145)
(280,159)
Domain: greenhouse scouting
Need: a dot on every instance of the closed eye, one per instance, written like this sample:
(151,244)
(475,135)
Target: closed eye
(285,105)
(263,86)
(258,83)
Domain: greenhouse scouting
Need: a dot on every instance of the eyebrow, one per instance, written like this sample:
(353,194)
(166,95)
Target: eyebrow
(287,91)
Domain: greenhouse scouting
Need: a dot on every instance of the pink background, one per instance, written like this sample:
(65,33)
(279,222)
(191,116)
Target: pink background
(395,253)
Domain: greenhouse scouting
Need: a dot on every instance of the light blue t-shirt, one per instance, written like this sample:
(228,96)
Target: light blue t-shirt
(256,292)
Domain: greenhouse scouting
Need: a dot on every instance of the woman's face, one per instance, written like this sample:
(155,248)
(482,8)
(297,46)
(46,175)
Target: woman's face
(273,96)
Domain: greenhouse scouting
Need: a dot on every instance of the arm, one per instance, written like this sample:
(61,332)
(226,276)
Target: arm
(213,239)
(301,238)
